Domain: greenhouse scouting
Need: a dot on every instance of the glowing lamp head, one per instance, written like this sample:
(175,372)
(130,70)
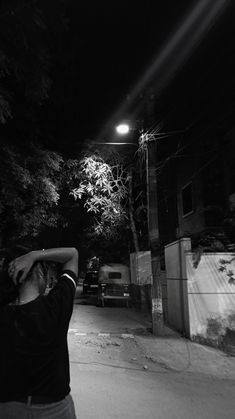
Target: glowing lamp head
(122,129)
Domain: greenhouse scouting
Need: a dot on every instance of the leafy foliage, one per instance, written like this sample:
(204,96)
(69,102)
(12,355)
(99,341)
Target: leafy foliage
(103,190)
(229,272)
(29,189)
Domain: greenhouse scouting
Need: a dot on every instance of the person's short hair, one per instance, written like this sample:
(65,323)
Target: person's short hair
(38,275)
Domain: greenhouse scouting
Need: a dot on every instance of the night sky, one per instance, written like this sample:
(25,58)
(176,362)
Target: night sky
(106,50)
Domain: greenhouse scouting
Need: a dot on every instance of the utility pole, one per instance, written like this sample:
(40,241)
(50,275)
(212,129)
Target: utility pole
(153,224)
(154,241)
(150,146)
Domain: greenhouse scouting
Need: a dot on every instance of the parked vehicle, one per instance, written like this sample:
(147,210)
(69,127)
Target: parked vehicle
(113,283)
(90,283)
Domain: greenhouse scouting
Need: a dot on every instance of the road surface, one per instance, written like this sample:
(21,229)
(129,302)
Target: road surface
(113,378)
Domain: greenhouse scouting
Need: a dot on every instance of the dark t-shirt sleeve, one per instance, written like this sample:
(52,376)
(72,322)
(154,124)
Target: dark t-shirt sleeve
(61,297)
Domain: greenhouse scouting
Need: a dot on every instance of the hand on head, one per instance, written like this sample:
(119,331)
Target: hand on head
(20,267)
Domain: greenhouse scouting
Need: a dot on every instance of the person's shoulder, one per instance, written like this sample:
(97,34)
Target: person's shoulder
(70,275)
(65,286)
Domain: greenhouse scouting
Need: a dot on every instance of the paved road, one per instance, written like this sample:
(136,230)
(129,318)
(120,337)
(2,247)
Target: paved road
(111,376)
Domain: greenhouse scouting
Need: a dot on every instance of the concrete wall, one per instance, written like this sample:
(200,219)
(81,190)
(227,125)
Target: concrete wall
(201,296)
(176,277)
(211,298)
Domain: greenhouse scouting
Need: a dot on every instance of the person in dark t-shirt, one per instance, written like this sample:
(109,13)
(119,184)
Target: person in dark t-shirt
(34,360)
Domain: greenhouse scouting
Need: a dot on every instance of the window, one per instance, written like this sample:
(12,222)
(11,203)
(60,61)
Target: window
(115,275)
(187,199)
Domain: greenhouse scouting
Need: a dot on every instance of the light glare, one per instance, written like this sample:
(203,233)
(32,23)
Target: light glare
(123,129)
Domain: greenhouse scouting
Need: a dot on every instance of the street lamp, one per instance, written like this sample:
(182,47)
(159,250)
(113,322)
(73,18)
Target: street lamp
(123,128)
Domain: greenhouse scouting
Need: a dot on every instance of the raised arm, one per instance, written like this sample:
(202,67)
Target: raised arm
(67,256)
